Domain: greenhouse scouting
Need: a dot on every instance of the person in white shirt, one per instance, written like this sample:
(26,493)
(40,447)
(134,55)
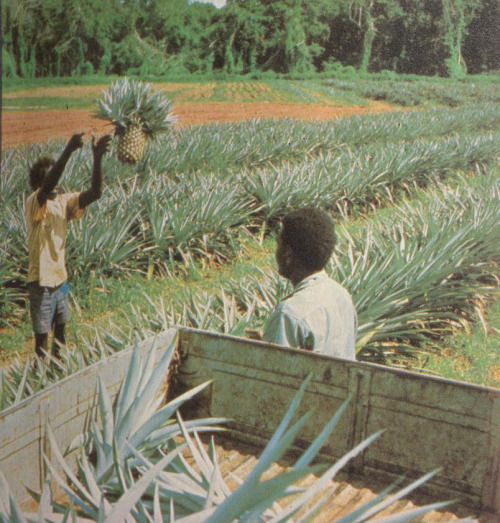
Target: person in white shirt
(319,313)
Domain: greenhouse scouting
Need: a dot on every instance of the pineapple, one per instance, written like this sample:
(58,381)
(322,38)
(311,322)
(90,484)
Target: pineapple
(131,141)
(137,112)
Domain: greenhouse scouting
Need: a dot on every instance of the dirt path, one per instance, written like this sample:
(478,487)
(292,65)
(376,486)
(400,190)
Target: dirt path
(24,127)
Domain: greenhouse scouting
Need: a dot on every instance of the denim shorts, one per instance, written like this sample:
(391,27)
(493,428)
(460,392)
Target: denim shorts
(48,306)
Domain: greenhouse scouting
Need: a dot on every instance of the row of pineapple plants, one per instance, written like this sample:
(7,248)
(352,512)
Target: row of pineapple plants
(138,113)
(154,220)
(230,145)
(414,277)
(139,461)
(414,91)
(222,147)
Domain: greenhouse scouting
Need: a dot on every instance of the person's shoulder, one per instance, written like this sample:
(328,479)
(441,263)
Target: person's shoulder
(31,201)
(290,308)
(336,286)
(31,197)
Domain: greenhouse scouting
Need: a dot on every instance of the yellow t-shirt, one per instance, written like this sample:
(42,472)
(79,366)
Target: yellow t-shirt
(46,227)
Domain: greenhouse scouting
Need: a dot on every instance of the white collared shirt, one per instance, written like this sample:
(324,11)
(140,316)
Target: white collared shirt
(318,315)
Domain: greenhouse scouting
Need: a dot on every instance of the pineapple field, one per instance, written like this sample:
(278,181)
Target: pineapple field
(224,116)
(184,234)
(415,195)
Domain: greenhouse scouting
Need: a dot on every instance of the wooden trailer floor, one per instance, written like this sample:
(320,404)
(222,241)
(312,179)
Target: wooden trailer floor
(237,458)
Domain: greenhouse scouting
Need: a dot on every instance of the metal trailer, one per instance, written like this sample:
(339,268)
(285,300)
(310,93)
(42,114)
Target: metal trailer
(429,422)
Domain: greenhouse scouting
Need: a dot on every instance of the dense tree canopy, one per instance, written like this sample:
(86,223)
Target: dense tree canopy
(162,37)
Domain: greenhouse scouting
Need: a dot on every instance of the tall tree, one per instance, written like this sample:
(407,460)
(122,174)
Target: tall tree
(367,15)
(250,32)
(70,37)
(295,35)
(419,38)
(178,28)
(481,49)
(19,35)
(457,15)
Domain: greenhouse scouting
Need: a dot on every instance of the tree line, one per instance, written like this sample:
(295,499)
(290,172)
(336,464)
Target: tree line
(176,37)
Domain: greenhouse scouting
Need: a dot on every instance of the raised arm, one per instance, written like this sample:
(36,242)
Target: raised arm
(52,177)
(94,193)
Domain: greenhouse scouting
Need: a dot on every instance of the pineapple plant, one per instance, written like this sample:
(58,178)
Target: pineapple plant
(138,112)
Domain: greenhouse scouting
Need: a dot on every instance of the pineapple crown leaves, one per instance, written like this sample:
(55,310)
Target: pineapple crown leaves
(131,101)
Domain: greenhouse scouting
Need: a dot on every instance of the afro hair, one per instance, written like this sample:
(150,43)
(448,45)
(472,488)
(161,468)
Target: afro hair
(310,233)
(39,170)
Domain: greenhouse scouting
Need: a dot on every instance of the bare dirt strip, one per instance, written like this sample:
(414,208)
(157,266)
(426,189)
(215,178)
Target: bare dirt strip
(24,127)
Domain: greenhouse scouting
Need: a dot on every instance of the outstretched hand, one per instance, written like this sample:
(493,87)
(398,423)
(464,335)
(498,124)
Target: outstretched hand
(102,145)
(76,141)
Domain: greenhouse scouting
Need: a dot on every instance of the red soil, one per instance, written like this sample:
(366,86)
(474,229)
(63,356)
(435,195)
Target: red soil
(23,127)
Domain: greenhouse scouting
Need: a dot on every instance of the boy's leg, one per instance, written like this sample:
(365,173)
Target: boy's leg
(41,312)
(40,344)
(59,339)
(61,317)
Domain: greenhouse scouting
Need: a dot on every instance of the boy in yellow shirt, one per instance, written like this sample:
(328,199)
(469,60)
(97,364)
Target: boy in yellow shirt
(47,214)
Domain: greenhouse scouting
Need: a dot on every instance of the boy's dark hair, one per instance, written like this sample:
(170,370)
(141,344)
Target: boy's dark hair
(310,233)
(39,169)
